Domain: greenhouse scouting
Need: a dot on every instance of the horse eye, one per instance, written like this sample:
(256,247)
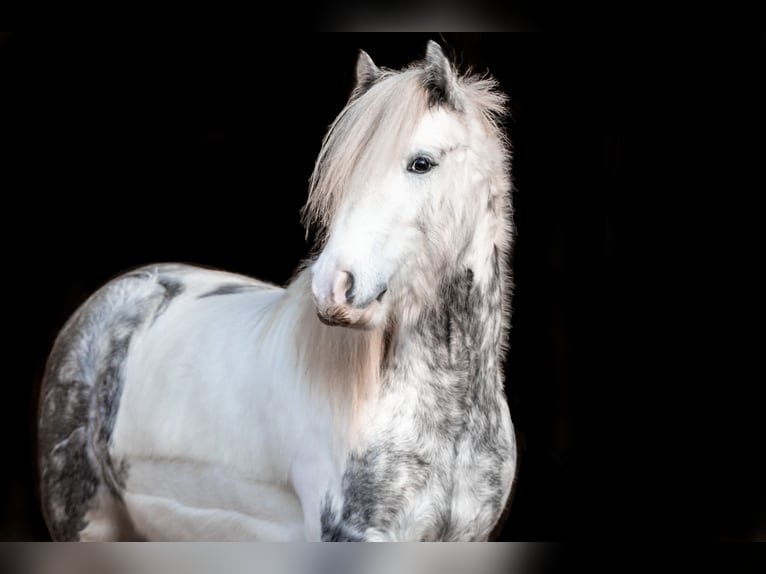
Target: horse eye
(420,165)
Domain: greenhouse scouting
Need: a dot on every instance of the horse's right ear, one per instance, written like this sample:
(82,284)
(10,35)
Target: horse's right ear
(366,73)
(440,75)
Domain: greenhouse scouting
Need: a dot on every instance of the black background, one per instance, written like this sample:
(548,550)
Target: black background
(633,160)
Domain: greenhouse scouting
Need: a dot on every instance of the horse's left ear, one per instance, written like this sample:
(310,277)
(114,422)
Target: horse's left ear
(366,73)
(440,79)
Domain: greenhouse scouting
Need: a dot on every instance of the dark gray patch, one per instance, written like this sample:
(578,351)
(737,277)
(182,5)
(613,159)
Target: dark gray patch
(371,497)
(80,400)
(173,288)
(388,344)
(74,445)
(334,529)
(68,477)
(73,482)
(110,377)
(445,329)
(230,289)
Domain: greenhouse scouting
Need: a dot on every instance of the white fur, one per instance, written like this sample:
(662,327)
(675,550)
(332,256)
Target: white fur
(215,384)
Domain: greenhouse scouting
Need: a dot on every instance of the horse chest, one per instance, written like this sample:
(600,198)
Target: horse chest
(392,494)
(425,472)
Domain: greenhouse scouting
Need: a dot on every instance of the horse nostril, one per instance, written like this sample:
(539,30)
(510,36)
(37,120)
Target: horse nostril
(379,298)
(349,287)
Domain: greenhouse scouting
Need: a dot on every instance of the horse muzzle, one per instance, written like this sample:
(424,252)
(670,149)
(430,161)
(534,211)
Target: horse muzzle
(340,302)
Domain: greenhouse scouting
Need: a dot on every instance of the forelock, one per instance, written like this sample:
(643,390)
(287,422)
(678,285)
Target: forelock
(373,129)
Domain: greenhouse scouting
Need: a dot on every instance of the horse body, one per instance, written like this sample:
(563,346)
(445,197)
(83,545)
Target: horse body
(204,360)
(364,401)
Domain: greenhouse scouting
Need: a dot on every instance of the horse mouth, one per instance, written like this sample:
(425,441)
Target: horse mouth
(333,318)
(347,316)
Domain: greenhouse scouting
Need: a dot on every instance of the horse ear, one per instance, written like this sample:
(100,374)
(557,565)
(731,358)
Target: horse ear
(366,73)
(440,76)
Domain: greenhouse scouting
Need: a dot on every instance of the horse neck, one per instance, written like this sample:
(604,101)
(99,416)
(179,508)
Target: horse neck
(459,337)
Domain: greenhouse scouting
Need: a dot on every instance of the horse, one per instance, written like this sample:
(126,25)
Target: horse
(363,401)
